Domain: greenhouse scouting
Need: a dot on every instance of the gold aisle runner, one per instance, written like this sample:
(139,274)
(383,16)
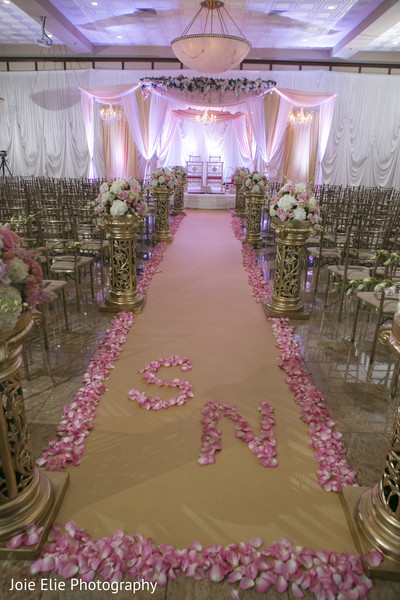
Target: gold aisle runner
(140,469)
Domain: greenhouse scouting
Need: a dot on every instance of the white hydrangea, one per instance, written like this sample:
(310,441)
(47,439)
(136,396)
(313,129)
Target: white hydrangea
(300,188)
(256,189)
(18,270)
(107,197)
(117,185)
(10,307)
(299,214)
(118,208)
(312,203)
(286,202)
(104,187)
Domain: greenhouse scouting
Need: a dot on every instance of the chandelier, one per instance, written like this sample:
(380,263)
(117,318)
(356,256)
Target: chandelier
(205,118)
(111,113)
(214,50)
(299,117)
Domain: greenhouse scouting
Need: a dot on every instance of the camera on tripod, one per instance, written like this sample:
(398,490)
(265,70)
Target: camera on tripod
(3,153)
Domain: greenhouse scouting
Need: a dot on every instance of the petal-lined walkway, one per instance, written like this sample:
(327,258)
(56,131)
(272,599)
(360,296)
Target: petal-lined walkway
(140,470)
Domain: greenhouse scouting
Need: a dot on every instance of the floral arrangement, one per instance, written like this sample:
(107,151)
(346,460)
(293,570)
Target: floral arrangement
(295,202)
(207,84)
(257,183)
(239,175)
(119,197)
(180,174)
(20,279)
(163,179)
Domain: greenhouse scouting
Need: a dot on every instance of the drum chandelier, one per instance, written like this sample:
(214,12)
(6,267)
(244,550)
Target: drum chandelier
(214,50)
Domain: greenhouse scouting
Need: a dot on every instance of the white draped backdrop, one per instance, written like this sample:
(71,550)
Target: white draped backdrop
(42,125)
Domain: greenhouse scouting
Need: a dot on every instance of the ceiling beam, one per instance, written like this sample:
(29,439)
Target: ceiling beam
(56,24)
(378,22)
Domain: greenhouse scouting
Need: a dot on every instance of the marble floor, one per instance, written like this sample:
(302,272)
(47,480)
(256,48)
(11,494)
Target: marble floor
(358,398)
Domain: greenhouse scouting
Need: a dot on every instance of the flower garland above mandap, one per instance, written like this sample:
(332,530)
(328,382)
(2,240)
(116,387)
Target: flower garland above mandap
(207,90)
(207,84)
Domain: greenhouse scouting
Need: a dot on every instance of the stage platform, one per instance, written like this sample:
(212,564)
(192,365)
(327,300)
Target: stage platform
(210,201)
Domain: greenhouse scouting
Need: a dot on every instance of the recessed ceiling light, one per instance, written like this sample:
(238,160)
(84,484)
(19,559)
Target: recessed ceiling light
(331,7)
(50,35)
(95,3)
(119,37)
(6,1)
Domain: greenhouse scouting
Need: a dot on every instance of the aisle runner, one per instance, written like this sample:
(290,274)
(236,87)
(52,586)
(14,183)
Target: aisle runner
(141,490)
(143,465)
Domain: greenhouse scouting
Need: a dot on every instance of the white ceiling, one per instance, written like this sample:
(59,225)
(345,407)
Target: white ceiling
(356,30)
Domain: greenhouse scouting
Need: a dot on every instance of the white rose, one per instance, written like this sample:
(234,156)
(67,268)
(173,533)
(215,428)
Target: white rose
(118,208)
(257,176)
(299,214)
(161,179)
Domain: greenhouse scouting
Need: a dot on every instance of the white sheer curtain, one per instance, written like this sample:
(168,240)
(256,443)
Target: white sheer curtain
(268,117)
(146,117)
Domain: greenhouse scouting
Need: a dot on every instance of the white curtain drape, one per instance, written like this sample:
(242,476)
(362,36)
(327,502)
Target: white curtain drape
(42,125)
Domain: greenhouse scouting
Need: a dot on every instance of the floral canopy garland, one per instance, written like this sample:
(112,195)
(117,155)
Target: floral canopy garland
(206,90)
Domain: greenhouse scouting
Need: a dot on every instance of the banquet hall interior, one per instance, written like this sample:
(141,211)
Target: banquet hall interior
(306,92)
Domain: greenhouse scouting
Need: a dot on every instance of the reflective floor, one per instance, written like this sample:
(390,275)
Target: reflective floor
(357,394)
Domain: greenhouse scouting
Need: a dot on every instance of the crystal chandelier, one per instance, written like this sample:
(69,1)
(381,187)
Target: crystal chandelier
(111,113)
(215,50)
(205,118)
(299,117)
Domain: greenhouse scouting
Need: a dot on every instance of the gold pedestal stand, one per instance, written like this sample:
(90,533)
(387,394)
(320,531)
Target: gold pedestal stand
(161,222)
(291,239)
(123,294)
(374,514)
(255,204)
(27,495)
(179,205)
(240,202)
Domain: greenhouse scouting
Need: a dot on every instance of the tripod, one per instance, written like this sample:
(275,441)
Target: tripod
(4,167)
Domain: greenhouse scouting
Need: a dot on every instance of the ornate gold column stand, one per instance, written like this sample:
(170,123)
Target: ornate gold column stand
(123,294)
(291,239)
(255,204)
(179,208)
(373,514)
(240,201)
(27,495)
(161,223)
